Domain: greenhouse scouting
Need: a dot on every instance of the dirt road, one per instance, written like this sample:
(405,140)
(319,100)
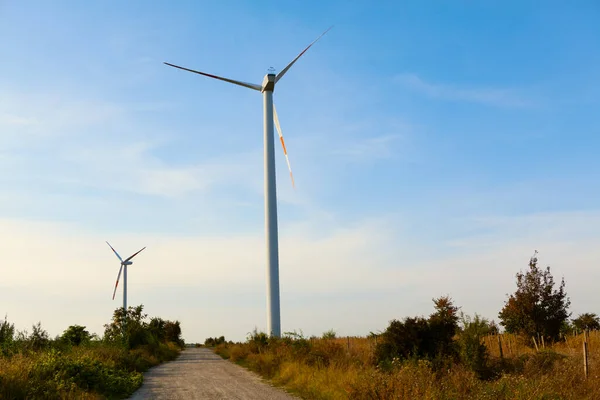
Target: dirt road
(198,373)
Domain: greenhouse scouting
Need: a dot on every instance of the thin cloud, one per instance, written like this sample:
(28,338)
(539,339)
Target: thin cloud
(11,120)
(369,148)
(482,95)
(102,145)
(371,259)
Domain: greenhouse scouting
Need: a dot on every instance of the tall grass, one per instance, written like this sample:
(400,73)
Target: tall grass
(343,368)
(36,367)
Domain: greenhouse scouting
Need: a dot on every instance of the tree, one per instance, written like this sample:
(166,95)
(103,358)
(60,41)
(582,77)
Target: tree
(128,327)
(39,337)
(536,308)
(75,335)
(404,339)
(443,324)
(7,335)
(172,334)
(587,322)
(133,330)
(157,328)
(7,331)
(421,338)
(473,353)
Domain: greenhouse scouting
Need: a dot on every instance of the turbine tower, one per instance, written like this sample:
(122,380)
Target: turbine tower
(266,88)
(124,264)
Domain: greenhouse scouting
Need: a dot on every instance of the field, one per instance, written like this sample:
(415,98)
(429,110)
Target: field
(345,368)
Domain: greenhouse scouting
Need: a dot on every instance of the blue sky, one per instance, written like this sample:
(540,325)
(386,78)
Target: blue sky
(434,147)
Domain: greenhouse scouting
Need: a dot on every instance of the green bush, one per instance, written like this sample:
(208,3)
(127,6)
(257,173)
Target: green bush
(473,353)
(212,342)
(75,335)
(330,334)
(75,365)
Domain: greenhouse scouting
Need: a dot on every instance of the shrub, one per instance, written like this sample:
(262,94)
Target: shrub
(330,334)
(265,364)
(238,352)
(473,353)
(75,335)
(420,338)
(323,352)
(257,341)
(75,366)
(39,337)
(212,342)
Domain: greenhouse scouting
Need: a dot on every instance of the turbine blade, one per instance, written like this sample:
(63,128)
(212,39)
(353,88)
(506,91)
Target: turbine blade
(135,254)
(244,84)
(276,119)
(283,71)
(117,284)
(114,251)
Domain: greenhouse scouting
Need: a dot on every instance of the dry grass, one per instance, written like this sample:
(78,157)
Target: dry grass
(343,368)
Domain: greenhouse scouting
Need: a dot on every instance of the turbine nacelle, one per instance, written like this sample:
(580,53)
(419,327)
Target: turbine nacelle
(268,83)
(124,263)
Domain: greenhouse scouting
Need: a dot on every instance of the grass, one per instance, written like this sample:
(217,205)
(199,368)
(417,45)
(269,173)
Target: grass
(343,368)
(78,365)
(92,371)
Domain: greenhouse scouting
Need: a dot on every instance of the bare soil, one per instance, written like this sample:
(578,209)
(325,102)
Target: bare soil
(198,373)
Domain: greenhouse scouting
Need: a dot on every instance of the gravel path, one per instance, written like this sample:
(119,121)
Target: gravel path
(198,373)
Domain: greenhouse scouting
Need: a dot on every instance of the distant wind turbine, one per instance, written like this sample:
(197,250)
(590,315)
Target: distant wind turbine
(266,88)
(124,264)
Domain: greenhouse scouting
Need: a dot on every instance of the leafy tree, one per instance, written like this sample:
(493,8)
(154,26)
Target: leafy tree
(132,329)
(128,327)
(172,333)
(587,321)
(443,324)
(157,328)
(421,338)
(75,335)
(493,328)
(7,332)
(7,335)
(536,308)
(473,353)
(214,341)
(39,337)
(566,328)
(404,339)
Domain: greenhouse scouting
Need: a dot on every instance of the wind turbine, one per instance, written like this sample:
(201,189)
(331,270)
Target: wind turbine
(124,264)
(266,88)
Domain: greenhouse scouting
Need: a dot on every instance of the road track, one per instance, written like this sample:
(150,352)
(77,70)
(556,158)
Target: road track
(198,373)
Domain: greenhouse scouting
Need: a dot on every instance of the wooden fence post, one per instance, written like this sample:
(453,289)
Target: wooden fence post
(585,359)
(543,343)
(500,346)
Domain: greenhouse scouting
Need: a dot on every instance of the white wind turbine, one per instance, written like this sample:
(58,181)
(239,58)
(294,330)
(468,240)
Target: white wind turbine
(266,88)
(124,264)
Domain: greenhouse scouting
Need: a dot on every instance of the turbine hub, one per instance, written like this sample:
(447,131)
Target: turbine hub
(268,83)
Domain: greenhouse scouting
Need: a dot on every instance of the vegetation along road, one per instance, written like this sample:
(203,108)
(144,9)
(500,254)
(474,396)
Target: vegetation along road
(198,373)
